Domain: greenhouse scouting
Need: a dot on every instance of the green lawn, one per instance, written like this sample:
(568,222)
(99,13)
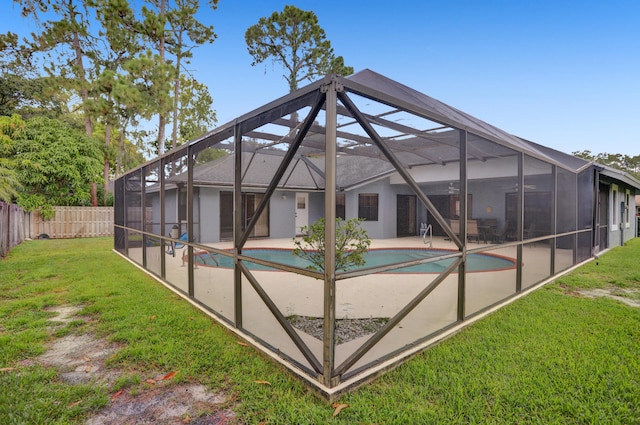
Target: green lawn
(553,357)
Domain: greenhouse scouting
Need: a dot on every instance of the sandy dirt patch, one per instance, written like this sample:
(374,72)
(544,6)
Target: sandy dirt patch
(175,404)
(595,293)
(81,358)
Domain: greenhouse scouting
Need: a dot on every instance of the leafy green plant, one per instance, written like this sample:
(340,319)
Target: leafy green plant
(352,242)
(53,162)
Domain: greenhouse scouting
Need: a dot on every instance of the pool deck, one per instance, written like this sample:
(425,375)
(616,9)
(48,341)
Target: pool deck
(380,295)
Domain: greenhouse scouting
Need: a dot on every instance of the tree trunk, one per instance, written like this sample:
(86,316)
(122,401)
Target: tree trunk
(84,94)
(176,93)
(107,142)
(161,114)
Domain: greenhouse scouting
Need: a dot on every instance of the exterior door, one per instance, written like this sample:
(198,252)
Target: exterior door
(603,217)
(250,202)
(226,215)
(406,215)
(302,211)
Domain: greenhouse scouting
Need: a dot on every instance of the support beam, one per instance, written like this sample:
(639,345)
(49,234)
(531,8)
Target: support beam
(463,225)
(163,226)
(190,162)
(520,221)
(237,226)
(371,342)
(328,352)
(291,152)
(390,156)
(291,332)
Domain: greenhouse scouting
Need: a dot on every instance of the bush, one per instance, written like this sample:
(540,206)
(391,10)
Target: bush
(352,242)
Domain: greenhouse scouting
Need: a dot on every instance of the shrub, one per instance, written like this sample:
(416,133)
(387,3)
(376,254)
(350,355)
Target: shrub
(352,242)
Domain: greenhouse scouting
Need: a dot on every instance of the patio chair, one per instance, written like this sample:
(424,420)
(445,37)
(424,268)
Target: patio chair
(423,229)
(502,236)
(177,245)
(472,230)
(531,231)
(455,226)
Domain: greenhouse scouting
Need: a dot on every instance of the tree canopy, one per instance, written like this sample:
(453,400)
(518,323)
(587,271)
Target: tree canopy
(10,129)
(54,162)
(294,39)
(121,62)
(626,163)
(112,66)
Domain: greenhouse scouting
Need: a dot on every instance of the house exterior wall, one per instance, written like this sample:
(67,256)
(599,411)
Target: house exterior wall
(386,225)
(170,207)
(171,212)
(486,202)
(153,202)
(316,206)
(281,213)
(282,223)
(622,223)
(383,228)
(210,213)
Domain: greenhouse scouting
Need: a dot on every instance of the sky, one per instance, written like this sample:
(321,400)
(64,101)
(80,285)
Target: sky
(561,73)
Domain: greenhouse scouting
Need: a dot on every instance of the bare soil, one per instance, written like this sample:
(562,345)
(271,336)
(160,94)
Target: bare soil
(81,360)
(594,293)
(175,404)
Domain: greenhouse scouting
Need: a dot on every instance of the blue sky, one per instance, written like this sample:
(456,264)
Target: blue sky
(563,73)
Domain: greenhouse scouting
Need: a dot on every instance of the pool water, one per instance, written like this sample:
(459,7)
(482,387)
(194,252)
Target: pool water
(373,258)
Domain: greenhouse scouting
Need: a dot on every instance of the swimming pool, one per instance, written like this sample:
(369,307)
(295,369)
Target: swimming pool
(373,258)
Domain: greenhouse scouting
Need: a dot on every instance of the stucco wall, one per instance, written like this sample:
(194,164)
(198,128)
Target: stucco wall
(620,232)
(282,223)
(210,214)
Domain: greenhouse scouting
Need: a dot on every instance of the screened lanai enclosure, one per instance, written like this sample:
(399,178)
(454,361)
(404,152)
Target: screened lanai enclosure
(462,216)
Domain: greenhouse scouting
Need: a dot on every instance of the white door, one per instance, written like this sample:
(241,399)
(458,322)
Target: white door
(302,211)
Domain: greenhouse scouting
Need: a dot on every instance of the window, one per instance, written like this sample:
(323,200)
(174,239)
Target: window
(182,205)
(301,202)
(626,209)
(614,197)
(340,206)
(250,202)
(368,206)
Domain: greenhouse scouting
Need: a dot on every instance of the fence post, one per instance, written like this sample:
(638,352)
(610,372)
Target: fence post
(12,227)
(4,232)
(9,246)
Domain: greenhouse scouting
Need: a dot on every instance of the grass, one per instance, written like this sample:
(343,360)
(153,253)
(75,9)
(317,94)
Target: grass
(551,357)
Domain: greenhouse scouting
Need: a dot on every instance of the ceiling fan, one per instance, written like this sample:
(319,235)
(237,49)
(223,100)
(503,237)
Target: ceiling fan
(526,186)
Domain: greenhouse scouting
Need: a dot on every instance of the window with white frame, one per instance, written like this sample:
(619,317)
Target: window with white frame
(626,207)
(614,210)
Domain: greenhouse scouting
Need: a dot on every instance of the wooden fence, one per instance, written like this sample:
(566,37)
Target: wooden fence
(75,222)
(17,225)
